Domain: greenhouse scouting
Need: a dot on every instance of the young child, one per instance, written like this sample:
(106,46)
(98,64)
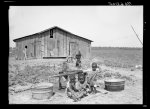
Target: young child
(92,77)
(78,59)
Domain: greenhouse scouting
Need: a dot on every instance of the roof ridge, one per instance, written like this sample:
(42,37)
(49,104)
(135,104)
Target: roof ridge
(49,29)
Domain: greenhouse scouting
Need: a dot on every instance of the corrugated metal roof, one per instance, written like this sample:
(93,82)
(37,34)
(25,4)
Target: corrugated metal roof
(50,29)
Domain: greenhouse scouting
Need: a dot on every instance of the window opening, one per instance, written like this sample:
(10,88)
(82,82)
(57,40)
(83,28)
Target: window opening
(51,33)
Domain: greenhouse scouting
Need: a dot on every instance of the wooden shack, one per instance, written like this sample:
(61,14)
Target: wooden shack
(52,42)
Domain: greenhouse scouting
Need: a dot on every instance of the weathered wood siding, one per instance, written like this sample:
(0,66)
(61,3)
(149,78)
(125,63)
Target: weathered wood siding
(33,47)
(61,45)
(66,39)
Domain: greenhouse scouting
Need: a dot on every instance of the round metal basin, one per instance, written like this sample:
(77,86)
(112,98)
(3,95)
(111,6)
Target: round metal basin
(41,92)
(114,84)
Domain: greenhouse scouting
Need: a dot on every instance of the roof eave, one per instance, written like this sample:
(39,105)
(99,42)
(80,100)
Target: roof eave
(15,40)
(73,34)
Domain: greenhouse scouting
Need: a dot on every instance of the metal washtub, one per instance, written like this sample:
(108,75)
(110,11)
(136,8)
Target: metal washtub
(114,84)
(41,92)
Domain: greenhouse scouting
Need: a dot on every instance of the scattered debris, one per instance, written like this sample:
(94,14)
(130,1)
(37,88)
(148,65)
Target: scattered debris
(103,91)
(132,69)
(139,67)
(19,88)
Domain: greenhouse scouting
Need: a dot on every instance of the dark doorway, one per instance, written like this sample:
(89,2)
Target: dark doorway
(58,47)
(34,49)
(73,48)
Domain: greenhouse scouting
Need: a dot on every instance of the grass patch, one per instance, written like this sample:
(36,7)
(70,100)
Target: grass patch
(32,74)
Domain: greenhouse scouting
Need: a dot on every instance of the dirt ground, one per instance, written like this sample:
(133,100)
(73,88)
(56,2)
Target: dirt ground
(132,94)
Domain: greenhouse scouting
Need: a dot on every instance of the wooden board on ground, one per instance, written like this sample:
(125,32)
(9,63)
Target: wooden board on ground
(100,90)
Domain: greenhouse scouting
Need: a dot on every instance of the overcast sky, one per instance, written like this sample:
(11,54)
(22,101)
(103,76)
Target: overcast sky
(105,25)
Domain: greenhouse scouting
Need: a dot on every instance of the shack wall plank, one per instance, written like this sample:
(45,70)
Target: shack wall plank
(41,45)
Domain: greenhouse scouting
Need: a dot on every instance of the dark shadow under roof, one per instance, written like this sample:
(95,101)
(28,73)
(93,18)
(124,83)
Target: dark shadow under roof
(55,27)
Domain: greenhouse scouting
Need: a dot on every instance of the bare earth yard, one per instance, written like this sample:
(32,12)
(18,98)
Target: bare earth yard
(131,95)
(122,61)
